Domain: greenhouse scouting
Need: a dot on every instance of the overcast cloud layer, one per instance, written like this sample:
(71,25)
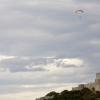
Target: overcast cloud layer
(45,46)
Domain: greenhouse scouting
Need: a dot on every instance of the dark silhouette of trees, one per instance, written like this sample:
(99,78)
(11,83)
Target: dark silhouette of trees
(84,94)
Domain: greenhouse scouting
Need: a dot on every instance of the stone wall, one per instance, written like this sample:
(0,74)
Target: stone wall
(75,88)
(97,75)
(97,84)
(80,86)
(90,85)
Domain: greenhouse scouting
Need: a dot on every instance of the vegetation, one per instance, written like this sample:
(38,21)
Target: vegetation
(84,94)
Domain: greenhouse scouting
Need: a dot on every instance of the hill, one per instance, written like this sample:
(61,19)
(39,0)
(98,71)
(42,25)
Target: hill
(84,94)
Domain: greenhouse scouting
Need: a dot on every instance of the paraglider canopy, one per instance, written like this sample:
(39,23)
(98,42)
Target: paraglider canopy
(79,11)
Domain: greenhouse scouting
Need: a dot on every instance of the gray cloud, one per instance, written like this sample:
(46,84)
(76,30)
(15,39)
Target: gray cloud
(32,64)
(20,65)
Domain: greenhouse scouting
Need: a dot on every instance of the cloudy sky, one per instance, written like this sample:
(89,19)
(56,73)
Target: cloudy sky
(45,46)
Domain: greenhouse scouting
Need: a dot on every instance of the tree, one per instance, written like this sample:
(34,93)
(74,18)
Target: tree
(51,93)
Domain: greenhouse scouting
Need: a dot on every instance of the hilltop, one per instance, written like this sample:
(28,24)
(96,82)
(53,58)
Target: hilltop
(84,94)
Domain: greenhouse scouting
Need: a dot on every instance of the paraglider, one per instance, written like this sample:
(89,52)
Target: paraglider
(77,11)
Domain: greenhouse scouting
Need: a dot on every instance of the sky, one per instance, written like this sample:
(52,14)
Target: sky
(45,46)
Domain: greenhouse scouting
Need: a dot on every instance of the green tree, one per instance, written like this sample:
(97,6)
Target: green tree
(51,93)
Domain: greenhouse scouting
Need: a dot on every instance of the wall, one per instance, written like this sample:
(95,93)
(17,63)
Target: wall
(80,86)
(90,85)
(97,75)
(75,88)
(97,84)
